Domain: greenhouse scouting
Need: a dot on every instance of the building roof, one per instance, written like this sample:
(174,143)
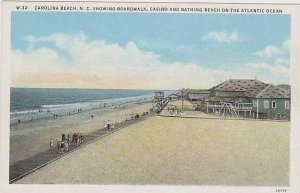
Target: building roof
(173,95)
(238,85)
(272,91)
(197,91)
(253,88)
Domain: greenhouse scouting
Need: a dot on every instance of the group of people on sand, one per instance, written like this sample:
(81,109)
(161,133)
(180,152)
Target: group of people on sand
(109,125)
(65,141)
(175,111)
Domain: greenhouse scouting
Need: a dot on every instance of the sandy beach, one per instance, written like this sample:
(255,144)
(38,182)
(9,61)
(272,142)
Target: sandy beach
(31,137)
(178,151)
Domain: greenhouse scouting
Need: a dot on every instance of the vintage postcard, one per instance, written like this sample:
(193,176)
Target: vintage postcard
(144,96)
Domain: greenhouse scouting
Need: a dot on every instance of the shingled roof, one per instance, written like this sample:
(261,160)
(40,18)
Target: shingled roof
(252,88)
(272,91)
(239,85)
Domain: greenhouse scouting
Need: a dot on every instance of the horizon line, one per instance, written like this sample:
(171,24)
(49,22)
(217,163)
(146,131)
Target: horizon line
(91,88)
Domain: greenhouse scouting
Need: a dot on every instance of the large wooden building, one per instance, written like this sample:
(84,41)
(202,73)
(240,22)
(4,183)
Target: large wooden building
(250,97)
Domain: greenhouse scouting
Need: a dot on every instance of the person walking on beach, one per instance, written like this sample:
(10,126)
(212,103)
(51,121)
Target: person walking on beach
(62,146)
(51,144)
(58,145)
(76,139)
(63,137)
(66,146)
(69,138)
(105,125)
(112,126)
(81,138)
(108,125)
(73,139)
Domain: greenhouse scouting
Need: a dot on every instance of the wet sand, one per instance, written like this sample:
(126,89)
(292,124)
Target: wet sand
(32,137)
(179,151)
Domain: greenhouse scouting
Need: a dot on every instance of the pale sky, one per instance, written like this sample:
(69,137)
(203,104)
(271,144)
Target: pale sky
(146,50)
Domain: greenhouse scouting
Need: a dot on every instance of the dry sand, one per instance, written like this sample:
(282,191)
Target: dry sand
(30,138)
(179,151)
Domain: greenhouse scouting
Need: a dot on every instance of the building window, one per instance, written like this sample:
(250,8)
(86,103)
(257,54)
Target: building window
(266,104)
(287,104)
(273,104)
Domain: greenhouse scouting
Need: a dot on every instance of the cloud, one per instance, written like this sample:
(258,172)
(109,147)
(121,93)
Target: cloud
(286,44)
(73,60)
(222,36)
(270,50)
(39,60)
(279,63)
(279,71)
(259,65)
(98,64)
(282,61)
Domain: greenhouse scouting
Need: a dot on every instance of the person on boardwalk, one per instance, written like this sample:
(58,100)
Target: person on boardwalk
(109,123)
(58,145)
(76,139)
(51,144)
(62,146)
(68,140)
(66,146)
(81,138)
(112,126)
(105,125)
(73,139)
(63,137)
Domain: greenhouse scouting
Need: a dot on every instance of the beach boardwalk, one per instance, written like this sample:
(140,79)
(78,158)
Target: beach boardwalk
(24,167)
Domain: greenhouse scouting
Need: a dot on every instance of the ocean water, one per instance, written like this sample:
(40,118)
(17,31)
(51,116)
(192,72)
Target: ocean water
(34,98)
(32,103)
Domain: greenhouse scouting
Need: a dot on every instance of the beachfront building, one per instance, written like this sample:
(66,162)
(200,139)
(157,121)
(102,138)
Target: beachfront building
(173,97)
(197,94)
(251,98)
(159,95)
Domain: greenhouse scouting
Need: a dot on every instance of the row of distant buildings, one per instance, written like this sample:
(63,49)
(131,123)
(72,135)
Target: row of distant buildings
(248,97)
